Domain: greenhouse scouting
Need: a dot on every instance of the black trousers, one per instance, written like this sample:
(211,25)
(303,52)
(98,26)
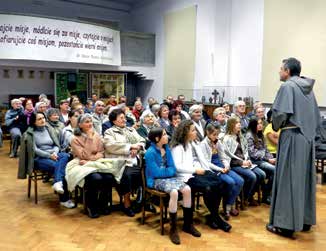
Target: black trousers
(98,187)
(212,188)
(131,180)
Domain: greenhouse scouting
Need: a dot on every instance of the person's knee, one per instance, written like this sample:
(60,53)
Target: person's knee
(186,191)
(174,194)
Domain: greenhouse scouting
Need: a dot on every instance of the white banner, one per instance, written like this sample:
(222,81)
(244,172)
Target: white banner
(34,38)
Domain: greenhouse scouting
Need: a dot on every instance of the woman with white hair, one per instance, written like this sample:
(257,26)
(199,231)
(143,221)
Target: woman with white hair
(195,112)
(147,122)
(16,122)
(138,110)
(219,118)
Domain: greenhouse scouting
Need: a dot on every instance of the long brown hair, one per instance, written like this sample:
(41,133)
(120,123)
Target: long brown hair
(231,124)
(180,134)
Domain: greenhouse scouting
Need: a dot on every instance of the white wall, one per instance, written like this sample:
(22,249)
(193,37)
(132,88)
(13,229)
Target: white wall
(15,85)
(228,43)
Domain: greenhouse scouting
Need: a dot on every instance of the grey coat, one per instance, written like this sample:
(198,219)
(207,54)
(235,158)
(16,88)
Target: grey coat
(295,111)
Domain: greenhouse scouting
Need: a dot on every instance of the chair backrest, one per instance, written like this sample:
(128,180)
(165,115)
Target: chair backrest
(142,164)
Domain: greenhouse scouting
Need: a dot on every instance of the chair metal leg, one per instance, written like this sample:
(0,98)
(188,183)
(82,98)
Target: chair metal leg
(143,208)
(29,185)
(242,200)
(35,189)
(161,216)
(259,194)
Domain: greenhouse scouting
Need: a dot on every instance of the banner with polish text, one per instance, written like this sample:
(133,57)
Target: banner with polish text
(45,39)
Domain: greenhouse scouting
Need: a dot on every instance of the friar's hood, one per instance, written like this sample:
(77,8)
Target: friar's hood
(305,84)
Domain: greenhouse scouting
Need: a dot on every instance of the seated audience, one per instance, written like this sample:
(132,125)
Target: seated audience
(219,118)
(138,110)
(40,150)
(214,152)
(124,143)
(87,148)
(260,155)
(67,133)
(163,114)
(175,119)
(41,107)
(99,117)
(260,114)
(271,137)
(161,175)
(147,122)
(29,109)
(240,112)
(63,111)
(179,106)
(236,147)
(195,113)
(15,120)
(89,107)
(53,122)
(192,166)
(228,112)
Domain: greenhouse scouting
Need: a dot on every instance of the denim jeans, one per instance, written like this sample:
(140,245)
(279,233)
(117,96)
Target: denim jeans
(58,167)
(250,180)
(269,169)
(235,181)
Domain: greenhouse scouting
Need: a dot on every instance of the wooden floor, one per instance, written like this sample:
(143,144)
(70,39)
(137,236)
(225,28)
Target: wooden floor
(47,226)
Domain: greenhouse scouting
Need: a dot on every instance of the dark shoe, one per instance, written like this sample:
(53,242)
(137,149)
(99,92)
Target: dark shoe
(150,208)
(188,226)
(234,212)
(212,224)
(92,213)
(128,211)
(226,227)
(306,228)
(280,231)
(105,210)
(174,236)
(266,200)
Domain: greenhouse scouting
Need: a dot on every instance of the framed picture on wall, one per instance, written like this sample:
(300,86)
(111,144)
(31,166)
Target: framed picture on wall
(106,84)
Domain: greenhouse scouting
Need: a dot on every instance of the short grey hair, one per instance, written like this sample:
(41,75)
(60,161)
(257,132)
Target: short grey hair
(145,114)
(193,108)
(14,101)
(81,119)
(217,111)
(99,102)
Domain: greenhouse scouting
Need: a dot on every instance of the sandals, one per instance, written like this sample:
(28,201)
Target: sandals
(280,231)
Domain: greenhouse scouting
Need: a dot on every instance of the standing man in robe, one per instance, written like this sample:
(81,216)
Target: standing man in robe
(296,113)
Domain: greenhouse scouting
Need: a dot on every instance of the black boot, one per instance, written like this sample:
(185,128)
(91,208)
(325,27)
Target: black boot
(226,227)
(104,207)
(306,228)
(188,226)
(174,236)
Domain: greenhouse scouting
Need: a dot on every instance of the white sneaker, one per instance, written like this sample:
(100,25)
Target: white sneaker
(68,204)
(58,187)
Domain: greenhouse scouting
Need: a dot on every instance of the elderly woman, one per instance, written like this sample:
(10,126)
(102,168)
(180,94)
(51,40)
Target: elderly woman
(219,118)
(15,120)
(138,110)
(124,143)
(87,148)
(68,132)
(147,122)
(29,109)
(195,112)
(163,114)
(41,106)
(42,147)
(53,122)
